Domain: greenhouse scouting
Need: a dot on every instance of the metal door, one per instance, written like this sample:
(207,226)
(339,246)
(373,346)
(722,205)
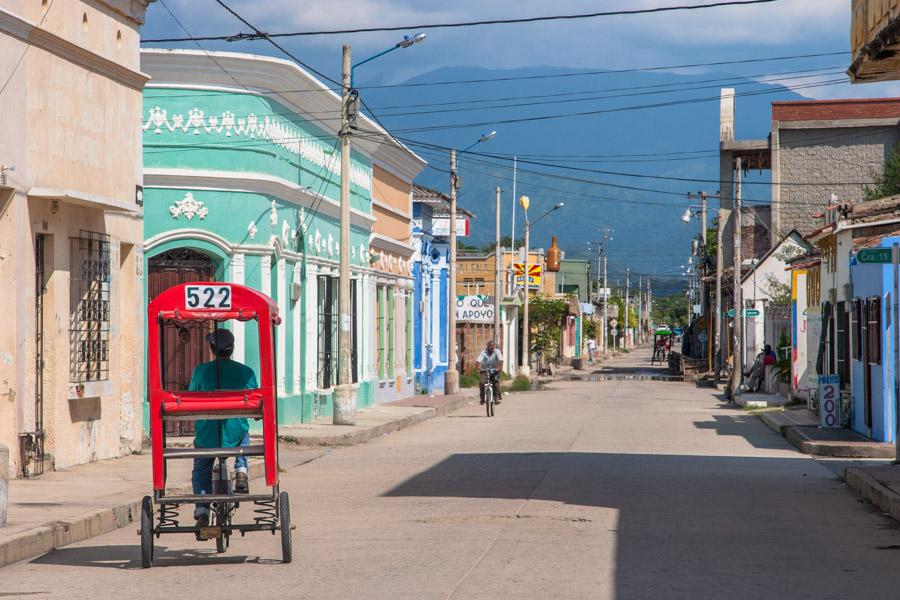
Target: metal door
(182,345)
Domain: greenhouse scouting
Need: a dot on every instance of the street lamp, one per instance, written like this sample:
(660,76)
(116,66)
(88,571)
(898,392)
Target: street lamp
(451,377)
(345,393)
(406,42)
(525,369)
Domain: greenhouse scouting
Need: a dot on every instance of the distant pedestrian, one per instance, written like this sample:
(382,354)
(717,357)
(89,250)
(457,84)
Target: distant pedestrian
(591,348)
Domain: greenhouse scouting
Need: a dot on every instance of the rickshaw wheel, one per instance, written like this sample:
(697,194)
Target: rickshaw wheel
(147,532)
(284,522)
(223,519)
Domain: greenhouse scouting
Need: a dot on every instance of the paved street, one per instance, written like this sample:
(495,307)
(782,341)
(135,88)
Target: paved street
(615,489)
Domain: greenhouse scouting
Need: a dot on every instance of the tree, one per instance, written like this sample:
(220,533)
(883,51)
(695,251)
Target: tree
(887,183)
(545,317)
(590,329)
(670,310)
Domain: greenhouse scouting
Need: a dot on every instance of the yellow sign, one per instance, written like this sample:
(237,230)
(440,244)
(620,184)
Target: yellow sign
(524,201)
(534,275)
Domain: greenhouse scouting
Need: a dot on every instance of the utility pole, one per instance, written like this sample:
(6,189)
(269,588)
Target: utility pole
(345,393)
(451,378)
(737,343)
(626,324)
(497,273)
(605,308)
(640,309)
(525,369)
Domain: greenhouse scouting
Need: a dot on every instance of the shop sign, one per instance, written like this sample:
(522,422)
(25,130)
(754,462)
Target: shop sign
(534,275)
(474,309)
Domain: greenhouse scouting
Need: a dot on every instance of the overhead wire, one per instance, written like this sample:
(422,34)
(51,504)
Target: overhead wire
(459,24)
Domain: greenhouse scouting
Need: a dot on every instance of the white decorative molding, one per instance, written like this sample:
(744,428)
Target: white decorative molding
(252,229)
(302,219)
(285,231)
(353,252)
(274,129)
(316,240)
(189,207)
(330,245)
(273,214)
(256,183)
(174,235)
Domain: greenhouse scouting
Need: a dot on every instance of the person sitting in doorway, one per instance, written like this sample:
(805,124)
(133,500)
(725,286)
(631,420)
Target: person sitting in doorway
(489,358)
(758,372)
(222,373)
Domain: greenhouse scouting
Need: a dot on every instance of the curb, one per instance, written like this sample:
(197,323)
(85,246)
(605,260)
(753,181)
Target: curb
(362,436)
(869,488)
(44,538)
(773,424)
(796,436)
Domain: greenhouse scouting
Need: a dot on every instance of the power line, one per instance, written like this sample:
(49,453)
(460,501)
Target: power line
(447,25)
(24,52)
(648,90)
(265,36)
(568,75)
(446,126)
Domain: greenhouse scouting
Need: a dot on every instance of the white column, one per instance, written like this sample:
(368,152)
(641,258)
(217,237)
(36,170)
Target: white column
(310,296)
(265,271)
(237,328)
(437,317)
(281,339)
(360,326)
(296,331)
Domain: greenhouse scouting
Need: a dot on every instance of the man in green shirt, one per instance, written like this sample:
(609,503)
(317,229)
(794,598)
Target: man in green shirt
(220,374)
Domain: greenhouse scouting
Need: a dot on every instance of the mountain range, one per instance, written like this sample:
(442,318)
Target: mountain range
(660,127)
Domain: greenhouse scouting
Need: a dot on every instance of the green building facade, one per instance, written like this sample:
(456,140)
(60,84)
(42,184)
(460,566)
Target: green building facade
(242,185)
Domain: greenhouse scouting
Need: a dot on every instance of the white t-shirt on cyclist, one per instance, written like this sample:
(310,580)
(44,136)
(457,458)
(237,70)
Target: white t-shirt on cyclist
(490,361)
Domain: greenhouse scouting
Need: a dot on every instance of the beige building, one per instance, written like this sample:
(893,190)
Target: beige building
(391,280)
(71,348)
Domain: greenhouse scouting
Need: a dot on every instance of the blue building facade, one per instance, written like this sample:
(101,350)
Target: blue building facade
(430,292)
(871,348)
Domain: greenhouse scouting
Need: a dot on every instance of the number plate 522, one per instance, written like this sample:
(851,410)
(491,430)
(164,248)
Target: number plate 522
(199,297)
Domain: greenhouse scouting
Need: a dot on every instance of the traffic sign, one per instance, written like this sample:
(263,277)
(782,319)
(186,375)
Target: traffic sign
(748,312)
(874,256)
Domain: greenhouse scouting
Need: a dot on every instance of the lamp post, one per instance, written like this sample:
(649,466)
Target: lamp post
(525,369)
(451,378)
(345,393)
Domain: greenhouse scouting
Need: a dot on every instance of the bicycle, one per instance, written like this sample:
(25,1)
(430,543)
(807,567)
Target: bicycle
(493,378)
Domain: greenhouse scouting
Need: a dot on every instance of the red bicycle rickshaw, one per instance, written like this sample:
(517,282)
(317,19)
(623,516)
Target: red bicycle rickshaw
(213,304)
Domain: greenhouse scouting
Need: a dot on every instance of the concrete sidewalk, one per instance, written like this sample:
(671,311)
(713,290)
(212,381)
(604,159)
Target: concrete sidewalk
(879,484)
(71,505)
(800,428)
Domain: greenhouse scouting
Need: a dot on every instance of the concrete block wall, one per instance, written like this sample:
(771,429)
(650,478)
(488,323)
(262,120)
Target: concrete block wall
(827,155)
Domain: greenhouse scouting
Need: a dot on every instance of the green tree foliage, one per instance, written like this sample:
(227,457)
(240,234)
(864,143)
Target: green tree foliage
(670,310)
(590,329)
(887,183)
(619,301)
(545,316)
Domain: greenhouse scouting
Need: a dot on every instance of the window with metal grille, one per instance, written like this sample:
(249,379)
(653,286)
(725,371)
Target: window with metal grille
(379,310)
(391,332)
(409,335)
(856,327)
(89,309)
(843,344)
(328,331)
(873,331)
(354,339)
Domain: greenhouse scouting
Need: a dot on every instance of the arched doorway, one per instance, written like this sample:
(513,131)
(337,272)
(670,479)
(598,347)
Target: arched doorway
(183,345)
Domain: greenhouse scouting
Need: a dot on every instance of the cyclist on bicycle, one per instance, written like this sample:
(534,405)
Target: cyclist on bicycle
(489,359)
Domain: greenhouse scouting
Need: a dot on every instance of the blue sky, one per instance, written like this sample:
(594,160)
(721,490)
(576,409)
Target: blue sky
(786,27)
